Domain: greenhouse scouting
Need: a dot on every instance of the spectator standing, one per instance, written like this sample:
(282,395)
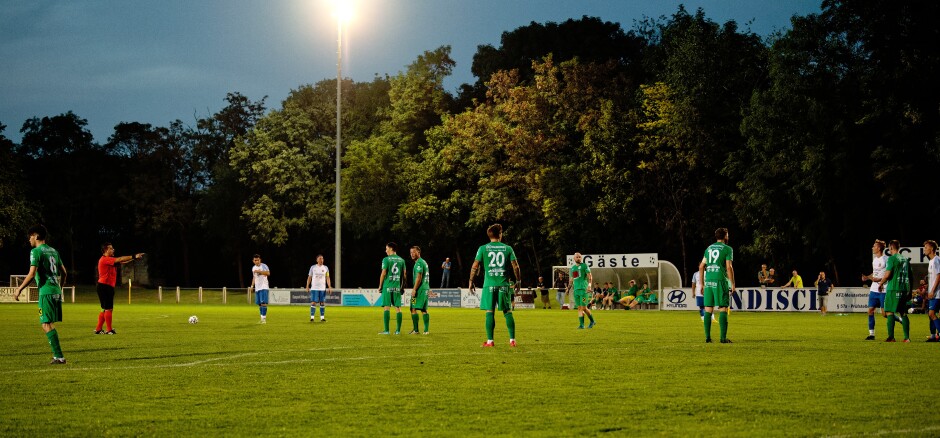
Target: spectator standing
(771,277)
(763,276)
(543,291)
(560,287)
(445,274)
(795,281)
(823,286)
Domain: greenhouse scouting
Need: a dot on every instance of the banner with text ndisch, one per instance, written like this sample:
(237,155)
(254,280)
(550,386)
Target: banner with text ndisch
(841,300)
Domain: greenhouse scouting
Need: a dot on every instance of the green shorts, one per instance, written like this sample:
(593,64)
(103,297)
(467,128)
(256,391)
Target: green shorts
(419,301)
(582,298)
(896,301)
(496,298)
(50,308)
(391,297)
(716,293)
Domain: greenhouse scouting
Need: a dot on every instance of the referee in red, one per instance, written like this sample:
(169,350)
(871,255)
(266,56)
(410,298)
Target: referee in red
(107,278)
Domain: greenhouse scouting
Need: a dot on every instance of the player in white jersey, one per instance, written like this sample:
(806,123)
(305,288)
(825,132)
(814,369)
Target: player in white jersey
(933,288)
(318,284)
(699,297)
(876,297)
(259,282)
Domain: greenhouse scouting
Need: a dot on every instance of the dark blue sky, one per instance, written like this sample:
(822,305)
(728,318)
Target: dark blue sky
(156,61)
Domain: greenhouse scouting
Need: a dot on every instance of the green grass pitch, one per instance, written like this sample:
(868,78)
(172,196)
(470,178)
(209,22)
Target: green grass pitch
(637,373)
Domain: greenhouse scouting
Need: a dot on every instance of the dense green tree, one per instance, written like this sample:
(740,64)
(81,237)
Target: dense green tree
(589,39)
(16,212)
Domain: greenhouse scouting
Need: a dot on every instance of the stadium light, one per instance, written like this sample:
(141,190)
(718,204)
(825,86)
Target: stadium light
(343,13)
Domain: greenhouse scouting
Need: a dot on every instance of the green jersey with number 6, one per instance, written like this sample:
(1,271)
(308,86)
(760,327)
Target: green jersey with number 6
(715,257)
(394,266)
(48,265)
(495,258)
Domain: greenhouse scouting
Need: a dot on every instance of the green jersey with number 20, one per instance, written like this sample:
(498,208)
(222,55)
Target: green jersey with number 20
(495,257)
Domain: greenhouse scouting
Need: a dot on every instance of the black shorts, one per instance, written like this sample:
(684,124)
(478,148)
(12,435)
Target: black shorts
(105,296)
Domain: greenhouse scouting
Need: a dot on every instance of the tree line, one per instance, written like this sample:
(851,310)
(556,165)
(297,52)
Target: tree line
(807,144)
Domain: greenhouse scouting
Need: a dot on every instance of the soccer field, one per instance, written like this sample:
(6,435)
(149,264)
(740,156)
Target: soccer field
(637,372)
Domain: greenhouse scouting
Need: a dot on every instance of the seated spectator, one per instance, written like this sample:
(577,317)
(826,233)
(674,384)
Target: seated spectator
(919,299)
(796,281)
(763,275)
(628,301)
(613,296)
(598,296)
(646,296)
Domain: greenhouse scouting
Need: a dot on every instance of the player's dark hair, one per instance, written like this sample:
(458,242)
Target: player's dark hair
(931,243)
(104,247)
(256,256)
(494,231)
(392,245)
(319,255)
(880,243)
(39,230)
(894,244)
(721,233)
(416,248)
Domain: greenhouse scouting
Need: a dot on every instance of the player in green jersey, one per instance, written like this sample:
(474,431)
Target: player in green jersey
(716,272)
(897,285)
(45,266)
(391,281)
(579,281)
(497,292)
(420,292)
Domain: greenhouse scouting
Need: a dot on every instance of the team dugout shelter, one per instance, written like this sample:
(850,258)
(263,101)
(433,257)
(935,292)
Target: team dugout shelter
(619,269)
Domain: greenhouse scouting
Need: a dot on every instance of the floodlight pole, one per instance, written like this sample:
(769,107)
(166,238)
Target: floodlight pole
(339,98)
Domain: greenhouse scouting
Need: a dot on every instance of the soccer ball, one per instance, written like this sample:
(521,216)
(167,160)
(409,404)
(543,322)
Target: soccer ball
(193,319)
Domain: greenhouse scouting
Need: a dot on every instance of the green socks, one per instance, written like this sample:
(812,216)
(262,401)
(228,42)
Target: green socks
(53,337)
(398,320)
(427,322)
(890,326)
(414,321)
(708,325)
(385,319)
(906,325)
(490,325)
(723,324)
(580,321)
(511,325)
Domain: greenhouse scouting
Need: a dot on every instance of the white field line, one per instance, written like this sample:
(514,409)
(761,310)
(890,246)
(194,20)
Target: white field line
(229,360)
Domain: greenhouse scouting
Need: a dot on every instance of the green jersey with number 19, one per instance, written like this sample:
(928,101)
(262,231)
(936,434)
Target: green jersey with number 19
(495,257)
(48,264)
(394,266)
(715,257)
